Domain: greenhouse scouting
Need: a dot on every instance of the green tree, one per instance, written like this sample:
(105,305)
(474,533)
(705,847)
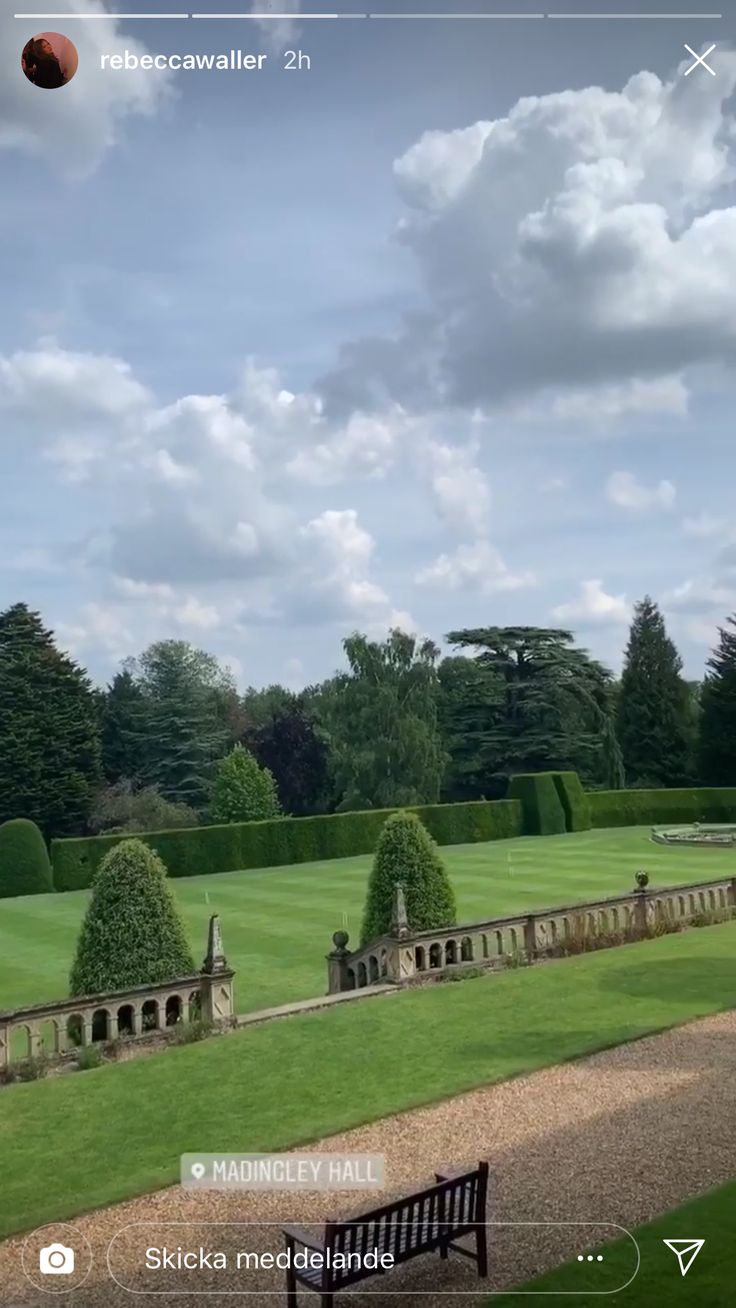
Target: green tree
(49,735)
(717,752)
(381,723)
(132,933)
(653,718)
(25,867)
(533,703)
(285,738)
(613,773)
(185,693)
(468,699)
(406,853)
(243,791)
(123,728)
(122,808)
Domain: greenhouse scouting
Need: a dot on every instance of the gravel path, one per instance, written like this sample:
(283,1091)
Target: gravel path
(617,1137)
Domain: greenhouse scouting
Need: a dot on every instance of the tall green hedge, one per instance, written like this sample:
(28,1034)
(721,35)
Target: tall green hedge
(634,808)
(543,814)
(197,851)
(24,861)
(574,801)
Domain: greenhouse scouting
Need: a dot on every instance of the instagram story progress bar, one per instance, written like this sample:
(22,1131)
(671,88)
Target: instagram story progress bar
(267,15)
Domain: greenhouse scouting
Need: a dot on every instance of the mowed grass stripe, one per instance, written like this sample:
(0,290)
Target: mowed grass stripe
(275,1086)
(278,922)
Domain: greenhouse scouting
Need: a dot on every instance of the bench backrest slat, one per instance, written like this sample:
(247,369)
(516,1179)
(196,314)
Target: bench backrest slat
(419,1223)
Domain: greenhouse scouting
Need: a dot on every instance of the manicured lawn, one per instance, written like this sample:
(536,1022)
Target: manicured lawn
(119,1130)
(708,1282)
(278,922)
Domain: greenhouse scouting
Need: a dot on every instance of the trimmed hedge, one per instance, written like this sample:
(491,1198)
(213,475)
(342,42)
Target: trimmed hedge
(637,808)
(543,814)
(198,851)
(574,801)
(25,868)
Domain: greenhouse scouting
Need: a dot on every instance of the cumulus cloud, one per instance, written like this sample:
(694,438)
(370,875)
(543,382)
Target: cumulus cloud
(583,243)
(627,492)
(594,605)
(203,532)
(459,487)
(474,567)
(344,589)
(73,128)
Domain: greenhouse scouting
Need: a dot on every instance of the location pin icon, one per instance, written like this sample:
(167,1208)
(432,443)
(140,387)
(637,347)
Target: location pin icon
(198,1170)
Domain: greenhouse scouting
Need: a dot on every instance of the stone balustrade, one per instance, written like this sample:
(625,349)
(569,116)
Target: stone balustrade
(64,1025)
(403,956)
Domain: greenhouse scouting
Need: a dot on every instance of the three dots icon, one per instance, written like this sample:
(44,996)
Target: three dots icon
(590,1258)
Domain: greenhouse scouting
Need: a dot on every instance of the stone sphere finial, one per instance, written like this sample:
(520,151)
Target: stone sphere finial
(642,880)
(340,941)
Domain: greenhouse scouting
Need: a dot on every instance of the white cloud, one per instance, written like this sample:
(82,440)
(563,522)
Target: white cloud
(582,243)
(626,491)
(706,526)
(341,587)
(700,596)
(72,127)
(640,396)
(594,605)
(459,486)
(478,567)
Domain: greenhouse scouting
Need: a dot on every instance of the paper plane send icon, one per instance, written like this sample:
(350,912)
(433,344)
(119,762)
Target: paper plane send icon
(686,1252)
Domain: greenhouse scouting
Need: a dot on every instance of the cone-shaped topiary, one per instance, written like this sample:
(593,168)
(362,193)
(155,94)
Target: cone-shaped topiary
(132,933)
(407,853)
(25,868)
(243,791)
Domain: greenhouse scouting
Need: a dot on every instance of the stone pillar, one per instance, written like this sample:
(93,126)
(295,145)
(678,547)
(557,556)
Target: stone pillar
(530,936)
(216,979)
(4,1046)
(641,910)
(337,964)
(731,893)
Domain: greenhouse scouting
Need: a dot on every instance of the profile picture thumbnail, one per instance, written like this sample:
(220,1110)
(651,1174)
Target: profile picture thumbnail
(49,60)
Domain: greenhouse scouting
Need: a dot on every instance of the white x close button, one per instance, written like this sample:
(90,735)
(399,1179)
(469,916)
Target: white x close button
(700,60)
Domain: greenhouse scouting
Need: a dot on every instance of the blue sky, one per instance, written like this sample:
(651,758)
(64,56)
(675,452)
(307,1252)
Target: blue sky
(438,333)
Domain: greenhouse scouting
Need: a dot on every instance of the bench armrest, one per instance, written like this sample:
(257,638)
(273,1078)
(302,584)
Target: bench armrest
(297,1235)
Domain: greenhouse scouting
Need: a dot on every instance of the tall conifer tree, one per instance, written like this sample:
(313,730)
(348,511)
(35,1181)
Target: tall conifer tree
(49,736)
(653,704)
(717,756)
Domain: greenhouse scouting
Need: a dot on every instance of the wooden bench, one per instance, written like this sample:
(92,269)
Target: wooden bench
(430,1221)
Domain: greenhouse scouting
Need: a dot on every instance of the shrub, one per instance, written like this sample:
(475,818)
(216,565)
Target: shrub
(543,814)
(635,807)
(120,808)
(281,841)
(574,801)
(406,853)
(243,791)
(132,933)
(188,1033)
(88,1057)
(30,1069)
(25,868)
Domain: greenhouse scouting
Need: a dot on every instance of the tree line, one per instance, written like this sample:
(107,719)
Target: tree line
(171,741)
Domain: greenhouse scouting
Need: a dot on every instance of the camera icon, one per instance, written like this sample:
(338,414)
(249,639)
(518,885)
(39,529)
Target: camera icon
(56,1260)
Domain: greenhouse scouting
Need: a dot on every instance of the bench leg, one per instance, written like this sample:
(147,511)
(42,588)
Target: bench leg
(291,1299)
(482,1250)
